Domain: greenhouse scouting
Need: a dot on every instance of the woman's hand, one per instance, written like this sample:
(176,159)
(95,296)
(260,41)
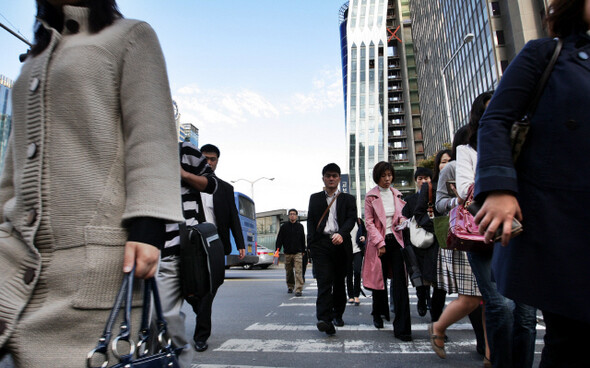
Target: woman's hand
(381,251)
(498,209)
(144,256)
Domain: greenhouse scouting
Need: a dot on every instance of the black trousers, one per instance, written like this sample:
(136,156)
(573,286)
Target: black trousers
(329,265)
(353,275)
(202,308)
(436,302)
(393,259)
(566,341)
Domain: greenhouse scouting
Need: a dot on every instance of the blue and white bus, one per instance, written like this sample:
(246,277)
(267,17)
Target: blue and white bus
(247,215)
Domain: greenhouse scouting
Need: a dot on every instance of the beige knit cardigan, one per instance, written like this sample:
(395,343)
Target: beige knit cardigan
(93,145)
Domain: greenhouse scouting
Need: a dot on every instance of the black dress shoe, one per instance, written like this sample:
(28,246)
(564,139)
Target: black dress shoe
(338,322)
(422,307)
(289,291)
(326,327)
(404,337)
(201,346)
(378,321)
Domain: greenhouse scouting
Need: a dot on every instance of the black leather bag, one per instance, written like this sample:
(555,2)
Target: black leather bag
(202,260)
(165,357)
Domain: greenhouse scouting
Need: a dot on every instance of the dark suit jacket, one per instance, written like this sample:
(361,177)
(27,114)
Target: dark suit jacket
(226,216)
(547,265)
(346,214)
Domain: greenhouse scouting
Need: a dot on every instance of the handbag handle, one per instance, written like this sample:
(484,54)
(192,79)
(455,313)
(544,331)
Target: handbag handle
(125,295)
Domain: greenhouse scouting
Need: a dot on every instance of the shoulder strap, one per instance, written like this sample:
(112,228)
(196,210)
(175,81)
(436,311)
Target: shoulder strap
(543,81)
(430,209)
(326,211)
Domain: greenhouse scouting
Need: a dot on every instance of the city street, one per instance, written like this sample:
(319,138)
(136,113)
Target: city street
(257,324)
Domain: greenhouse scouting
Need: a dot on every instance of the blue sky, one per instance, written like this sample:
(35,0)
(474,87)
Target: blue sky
(261,79)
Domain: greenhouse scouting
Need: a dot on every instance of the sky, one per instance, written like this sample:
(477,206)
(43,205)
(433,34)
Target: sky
(261,79)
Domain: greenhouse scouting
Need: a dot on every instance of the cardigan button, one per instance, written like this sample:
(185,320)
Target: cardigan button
(34,84)
(31,150)
(72,26)
(583,55)
(29,275)
(2,326)
(31,217)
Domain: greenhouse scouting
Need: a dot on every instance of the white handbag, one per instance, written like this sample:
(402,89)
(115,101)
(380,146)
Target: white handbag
(419,237)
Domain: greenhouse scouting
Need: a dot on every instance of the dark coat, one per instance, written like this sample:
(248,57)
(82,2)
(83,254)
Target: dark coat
(226,216)
(548,266)
(346,214)
(292,237)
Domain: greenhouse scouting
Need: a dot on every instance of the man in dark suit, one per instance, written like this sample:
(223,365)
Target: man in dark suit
(330,218)
(220,209)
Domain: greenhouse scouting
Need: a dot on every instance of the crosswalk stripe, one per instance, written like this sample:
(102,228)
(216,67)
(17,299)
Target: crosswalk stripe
(363,327)
(336,345)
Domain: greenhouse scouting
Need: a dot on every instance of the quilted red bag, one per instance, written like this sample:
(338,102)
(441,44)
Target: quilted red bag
(463,232)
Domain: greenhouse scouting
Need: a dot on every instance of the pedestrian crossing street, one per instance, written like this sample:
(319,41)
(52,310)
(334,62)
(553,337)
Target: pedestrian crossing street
(357,336)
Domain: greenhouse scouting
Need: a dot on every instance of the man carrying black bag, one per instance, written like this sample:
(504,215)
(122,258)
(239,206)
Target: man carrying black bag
(196,177)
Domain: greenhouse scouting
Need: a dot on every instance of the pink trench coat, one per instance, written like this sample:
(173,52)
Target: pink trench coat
(375,222)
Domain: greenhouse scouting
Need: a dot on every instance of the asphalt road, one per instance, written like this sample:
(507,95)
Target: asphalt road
(257,324)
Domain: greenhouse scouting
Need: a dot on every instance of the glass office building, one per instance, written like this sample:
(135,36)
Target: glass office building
(189,133)
(382,112)
(500,29)
(5,116)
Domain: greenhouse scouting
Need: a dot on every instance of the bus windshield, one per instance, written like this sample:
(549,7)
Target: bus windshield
(246,208)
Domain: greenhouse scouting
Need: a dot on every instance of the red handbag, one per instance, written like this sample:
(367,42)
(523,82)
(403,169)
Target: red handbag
(463,232)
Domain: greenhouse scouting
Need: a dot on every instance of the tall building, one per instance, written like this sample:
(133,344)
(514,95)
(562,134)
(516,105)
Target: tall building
(382,112)
(5,115)
(189,133)
(469,65)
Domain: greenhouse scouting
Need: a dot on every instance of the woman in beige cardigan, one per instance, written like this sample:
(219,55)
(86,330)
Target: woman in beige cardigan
(90,178)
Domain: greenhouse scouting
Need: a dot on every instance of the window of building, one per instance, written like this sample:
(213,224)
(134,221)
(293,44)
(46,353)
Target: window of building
(500,41)
(495,9)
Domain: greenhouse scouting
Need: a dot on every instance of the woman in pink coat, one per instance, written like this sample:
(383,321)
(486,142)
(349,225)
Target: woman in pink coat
(383,254)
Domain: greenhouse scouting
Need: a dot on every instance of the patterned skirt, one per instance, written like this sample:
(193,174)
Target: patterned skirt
(454,273)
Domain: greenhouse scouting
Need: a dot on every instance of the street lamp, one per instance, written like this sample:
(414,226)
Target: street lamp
(252,184)
(468,38)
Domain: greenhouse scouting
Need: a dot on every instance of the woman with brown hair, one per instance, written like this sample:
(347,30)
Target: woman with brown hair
(547,265)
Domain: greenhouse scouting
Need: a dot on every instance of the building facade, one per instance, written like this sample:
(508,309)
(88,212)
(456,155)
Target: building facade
(5,116)
(381,102)
(189,133)
(469,65)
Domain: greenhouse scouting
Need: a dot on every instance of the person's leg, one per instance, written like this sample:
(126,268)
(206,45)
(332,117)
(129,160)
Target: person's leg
(289,261)
(437,303)
(456,310)
(357,267)
(476,319)
(324,273)
(169,288)
(340,260)
(203,310)
(422,294)
(349,280)
(304,261)
(402,326)
(297,260)
(498,311)
(565,342)
(525,334)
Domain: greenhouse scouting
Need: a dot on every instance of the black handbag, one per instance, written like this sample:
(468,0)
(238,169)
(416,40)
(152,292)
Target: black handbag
(165,357)
(202,260)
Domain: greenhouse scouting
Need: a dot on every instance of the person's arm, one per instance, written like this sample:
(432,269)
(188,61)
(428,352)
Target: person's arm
(444,201)
(312,220)
(302,239)
(7,181)
(195,171)
(373,234)
(279,242)
(465,171)
(421,210)
(348,224)
(234,223)
(150,136)
(496,176)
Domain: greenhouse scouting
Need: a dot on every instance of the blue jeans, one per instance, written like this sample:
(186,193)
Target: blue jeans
(510,326)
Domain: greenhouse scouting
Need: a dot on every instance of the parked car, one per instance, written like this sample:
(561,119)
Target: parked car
(265,258)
